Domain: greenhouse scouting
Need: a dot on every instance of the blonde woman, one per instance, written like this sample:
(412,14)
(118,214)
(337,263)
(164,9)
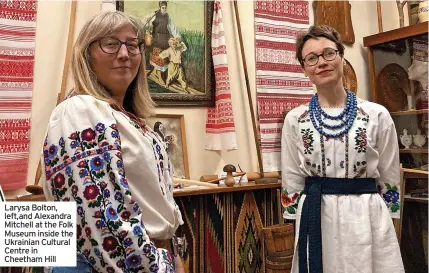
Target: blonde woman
(99,153)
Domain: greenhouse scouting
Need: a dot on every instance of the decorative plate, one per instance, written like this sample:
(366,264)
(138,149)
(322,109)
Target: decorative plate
(393,86)
(349,77)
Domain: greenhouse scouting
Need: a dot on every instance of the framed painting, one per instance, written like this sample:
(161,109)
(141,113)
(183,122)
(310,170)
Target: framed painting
(171,129)
(179,65)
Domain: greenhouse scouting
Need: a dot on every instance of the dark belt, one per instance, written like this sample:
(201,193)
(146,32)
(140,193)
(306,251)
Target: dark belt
(310,223)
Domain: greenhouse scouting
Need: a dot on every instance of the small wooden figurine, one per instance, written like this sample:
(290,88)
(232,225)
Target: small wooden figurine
(229,180)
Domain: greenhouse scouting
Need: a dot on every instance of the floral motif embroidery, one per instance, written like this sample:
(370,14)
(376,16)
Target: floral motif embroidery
(98,184)
(391,197)
(135,124)
(362,115)
(305,117)
(307,139)
(315,169)
(346,156)
(160,161)
(360,140)
(359,168)
(290,201)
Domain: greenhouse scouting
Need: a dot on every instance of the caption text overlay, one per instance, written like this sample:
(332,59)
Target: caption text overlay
(37,234)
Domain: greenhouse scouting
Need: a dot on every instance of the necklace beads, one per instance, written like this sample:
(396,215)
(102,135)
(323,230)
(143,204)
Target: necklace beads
(345,119)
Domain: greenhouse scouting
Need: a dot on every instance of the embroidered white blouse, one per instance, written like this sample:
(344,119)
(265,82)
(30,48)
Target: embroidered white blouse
(357,230)
(119,175)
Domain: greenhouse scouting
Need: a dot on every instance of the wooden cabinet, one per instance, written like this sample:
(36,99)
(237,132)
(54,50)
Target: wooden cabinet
(414,228)
(394,58)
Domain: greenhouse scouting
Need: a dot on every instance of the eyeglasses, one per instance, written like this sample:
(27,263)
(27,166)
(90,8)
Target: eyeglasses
(111,45)
(329,54)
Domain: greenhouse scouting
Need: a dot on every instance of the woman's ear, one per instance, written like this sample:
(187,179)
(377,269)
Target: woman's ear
(305,73)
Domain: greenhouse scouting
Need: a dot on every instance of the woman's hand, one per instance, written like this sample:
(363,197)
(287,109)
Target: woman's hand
(178,264)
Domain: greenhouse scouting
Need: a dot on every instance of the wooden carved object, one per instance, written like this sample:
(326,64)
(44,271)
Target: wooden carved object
(400,6)
(336,14)
(379,17)
(349,77)
(393,86)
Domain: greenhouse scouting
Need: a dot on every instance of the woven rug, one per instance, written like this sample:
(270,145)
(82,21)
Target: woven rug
(220,127)
(17,47)
(280,82)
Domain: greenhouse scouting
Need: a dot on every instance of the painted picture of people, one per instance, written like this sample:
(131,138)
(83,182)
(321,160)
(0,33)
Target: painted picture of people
(178,51)
(171,130)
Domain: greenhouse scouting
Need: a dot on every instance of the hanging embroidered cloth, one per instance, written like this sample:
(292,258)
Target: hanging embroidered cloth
(17,48)
(220,127)
(280,82)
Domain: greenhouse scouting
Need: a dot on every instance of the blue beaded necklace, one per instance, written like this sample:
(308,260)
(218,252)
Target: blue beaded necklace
(345,118)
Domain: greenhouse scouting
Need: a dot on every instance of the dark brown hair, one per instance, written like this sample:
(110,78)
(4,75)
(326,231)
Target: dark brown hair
(315,32)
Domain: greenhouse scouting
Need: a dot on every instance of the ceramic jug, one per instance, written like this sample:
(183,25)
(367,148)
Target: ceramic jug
(406,139)
(419,139)
(423,11)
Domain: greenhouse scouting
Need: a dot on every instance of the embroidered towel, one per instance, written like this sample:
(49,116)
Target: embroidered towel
(280,82)
(220,127)
(17,47)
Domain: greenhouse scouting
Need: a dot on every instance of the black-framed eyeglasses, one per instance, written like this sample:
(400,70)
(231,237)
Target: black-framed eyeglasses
(329,54)
(111,45)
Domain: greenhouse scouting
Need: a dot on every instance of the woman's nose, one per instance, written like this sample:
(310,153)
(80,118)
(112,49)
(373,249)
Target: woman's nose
(123,52)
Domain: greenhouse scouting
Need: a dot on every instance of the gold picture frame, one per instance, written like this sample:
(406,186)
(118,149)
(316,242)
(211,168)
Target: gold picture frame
(173,133)
(193,82)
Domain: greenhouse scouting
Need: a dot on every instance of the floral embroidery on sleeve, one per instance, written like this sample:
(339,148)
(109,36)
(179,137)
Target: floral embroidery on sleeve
(290,203)
(87,167)
(391,197)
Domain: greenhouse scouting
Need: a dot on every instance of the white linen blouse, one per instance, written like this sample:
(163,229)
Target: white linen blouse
(357,230)
(120,177)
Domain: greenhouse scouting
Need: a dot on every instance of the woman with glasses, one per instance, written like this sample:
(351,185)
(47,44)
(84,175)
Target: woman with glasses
(340,170)
(99,153)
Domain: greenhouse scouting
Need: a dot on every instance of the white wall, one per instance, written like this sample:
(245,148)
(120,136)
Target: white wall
(51,36)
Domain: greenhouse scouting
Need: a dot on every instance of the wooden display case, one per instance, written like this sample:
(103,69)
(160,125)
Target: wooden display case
(414,228)
(390,56)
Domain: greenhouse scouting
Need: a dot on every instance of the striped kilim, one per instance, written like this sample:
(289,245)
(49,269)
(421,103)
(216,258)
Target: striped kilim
(17,47)
(280,82)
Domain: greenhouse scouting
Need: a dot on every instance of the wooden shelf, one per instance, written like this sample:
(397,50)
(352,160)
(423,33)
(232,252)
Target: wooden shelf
(409,198)
(396,34)
(413,151)
(406,170)
(414,173)
(222,189)
(409,113)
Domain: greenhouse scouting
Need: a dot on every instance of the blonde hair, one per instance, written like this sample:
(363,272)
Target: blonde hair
(86,80)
